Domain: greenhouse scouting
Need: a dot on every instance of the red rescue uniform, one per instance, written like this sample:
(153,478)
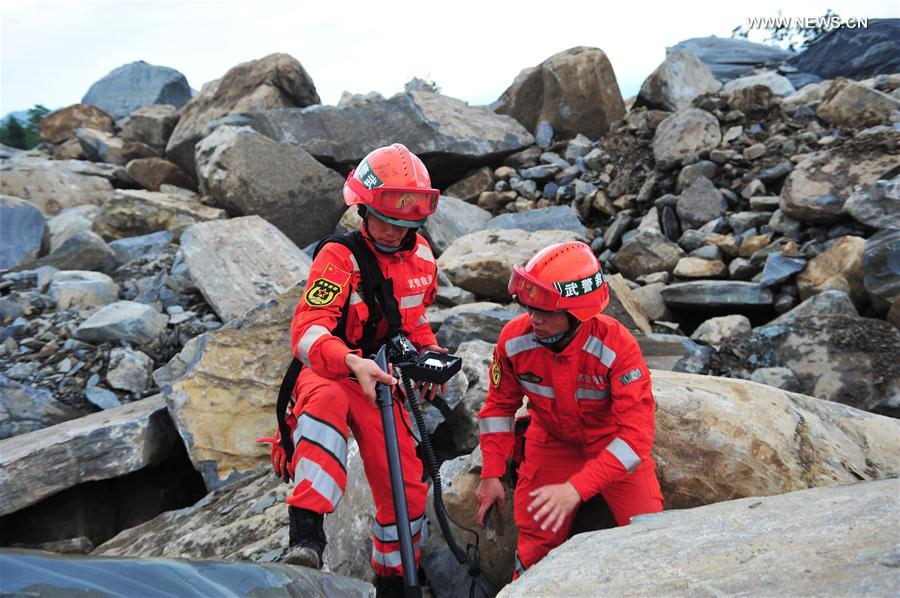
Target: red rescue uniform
(328,402)
(592,424)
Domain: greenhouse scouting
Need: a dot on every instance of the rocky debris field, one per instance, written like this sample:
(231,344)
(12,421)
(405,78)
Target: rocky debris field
(748,222)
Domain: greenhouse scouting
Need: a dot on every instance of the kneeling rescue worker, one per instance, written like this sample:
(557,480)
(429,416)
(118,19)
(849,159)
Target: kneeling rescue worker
(335,389)
(589,398)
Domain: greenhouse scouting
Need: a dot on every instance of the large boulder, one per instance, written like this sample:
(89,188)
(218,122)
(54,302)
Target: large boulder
(551,218)
(99,446)
(777,84)
(833,302)
(840,268)
(841,358)
(59,126)
(673,352)
(99,146)
(135,85)
(575,91)
(646,252)
(815,191)
(700,203)
(728,58)
(876,205)
(132,212)
(153,173)
(130,321)
(701,295)
(449,135)
(81,289)
(454,218)
(881,267)
(242,262)
(820,541)
(850,104)
(676,82)
(248,173)
(151,126)
(81,250)
(22,231)
(480,262)
(276,81)
(857,53)
(52,185)
(684,137)
(221,387)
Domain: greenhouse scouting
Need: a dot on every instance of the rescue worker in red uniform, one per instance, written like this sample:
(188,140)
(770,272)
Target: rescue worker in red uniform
(393,190)
(589,398)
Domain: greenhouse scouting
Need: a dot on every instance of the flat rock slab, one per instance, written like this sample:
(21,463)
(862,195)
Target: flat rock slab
(22,231)
(132,212)
(449,135)
(130,321)
(242,262)
(52,185)
(834,541)
(552,218)
(99,446)
(704,294)
(27,572)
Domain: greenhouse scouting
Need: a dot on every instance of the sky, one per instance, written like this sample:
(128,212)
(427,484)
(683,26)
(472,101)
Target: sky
(52,51)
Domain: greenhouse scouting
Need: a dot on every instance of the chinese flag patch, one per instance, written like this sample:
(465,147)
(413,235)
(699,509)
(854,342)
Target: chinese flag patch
(334,274)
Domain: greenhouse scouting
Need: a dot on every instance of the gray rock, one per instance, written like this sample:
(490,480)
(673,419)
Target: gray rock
(552,218)
(138,84)
(450,136)
(779,84)
(22,231)
(780,377)
(99,146)
(673,352)
(70,221)
(881,266)
(81,289)
(781,223)
(151,126)
(647,252)
(52,185)
(123,321)
(851,104)
(242,262)
(700,203)
(250,174)
(574,90)
(838,543)
(764,203)
(650,298)
(99,446)
(133,212)
(715,331)
(691,172)
(454,218)
(131,248)
(779,268)
(543,135)
(744,221)
(876,205)
(621,223)
(853,53)
(685,137)
(129,370)
(101,397)
(831,302)
(25,408)
(83,250)
(676,82)
(472,185)
(469,326)
(702,295)
(274,81)
(578,147)
(728,58)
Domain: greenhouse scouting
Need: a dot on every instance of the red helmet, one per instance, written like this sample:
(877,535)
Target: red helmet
(394,185)
(565,276)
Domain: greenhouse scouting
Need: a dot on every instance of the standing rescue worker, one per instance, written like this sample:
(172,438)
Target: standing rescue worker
(336,387)
(589,398)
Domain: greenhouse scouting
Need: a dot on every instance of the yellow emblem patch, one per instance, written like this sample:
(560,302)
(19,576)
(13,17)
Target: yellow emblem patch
(496,372)
(322,292)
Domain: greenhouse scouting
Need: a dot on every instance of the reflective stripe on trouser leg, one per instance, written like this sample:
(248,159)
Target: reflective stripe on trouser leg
(520,570)
(386,553)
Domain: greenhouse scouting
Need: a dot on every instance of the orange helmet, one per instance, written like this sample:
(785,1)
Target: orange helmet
(565,276)
(394,185)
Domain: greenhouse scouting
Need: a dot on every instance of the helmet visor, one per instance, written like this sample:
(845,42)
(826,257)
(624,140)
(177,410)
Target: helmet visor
(531,292)
(404,203)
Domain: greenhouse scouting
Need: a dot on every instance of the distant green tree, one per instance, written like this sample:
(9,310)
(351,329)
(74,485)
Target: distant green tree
(14,134)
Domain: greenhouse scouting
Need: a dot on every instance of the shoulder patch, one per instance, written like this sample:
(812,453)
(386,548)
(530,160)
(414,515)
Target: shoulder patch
(336,275)
(496,372)
(631,376)
(322,292)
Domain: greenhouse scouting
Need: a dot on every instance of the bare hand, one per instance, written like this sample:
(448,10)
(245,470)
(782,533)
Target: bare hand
(489,491)
(554,503)
(427,390)
(368,374)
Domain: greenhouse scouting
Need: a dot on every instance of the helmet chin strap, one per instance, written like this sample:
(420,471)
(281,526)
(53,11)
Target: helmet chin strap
(407,243)
(558,342)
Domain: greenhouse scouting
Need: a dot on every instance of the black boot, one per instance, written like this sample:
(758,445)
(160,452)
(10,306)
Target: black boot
(307,538)
(388,587)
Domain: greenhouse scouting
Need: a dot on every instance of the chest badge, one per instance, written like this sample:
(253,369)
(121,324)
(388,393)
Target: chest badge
(530,377)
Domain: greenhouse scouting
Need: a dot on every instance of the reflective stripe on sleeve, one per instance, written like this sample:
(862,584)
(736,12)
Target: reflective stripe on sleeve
(491,425)
(592,394)
(543,391)
(422,321)
(595,347)
(355,264)
(355,298)
(423,252)
(312,334)
(411,301)
(321,481)
(518,344)
(322,435)
(625,454)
